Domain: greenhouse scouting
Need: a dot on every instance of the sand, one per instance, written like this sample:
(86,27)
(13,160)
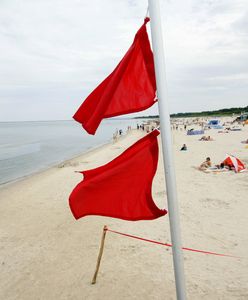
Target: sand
(46,254)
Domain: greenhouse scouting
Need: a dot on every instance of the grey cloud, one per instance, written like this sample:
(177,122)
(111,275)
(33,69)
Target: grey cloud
(240,26)
(54,53)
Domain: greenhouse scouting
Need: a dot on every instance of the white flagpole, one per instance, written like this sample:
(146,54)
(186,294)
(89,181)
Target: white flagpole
(165,128)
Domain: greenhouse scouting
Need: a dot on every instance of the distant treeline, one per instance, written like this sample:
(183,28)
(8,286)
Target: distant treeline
(220,112)
(147,117)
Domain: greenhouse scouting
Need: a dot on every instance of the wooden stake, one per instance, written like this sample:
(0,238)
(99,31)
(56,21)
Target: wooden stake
(100,254)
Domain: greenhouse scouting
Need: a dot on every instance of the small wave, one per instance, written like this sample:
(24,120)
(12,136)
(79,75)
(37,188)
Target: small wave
(18,150)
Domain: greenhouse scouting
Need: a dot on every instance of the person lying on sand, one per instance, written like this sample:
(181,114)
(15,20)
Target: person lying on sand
(209,138)
(206,164)
(225,165)
(220,166)
(225,130)
(206,138)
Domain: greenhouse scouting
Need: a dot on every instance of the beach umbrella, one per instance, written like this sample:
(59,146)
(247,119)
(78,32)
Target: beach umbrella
(233,162)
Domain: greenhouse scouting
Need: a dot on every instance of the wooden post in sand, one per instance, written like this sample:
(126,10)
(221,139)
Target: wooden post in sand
(100,254)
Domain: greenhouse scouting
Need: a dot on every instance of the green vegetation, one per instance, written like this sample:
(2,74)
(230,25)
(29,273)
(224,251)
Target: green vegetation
(214,113)
(147,117)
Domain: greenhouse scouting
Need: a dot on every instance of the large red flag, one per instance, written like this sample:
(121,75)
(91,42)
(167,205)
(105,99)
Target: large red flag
(129,88)
(123,187)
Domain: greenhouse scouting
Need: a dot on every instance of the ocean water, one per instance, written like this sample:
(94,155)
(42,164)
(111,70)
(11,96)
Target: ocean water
(28,147)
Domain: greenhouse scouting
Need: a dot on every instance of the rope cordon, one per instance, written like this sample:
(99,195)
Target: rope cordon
(169,245)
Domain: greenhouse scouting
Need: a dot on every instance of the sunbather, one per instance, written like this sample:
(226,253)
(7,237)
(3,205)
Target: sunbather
(206,164)
(206,138)
(245,142)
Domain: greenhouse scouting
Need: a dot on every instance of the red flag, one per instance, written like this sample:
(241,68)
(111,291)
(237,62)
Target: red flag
(129,88)
(123,187)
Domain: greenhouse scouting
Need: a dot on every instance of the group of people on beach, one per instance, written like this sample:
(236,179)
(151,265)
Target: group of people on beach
(141,126)
(176,127)
(228,164)
(223,165)
(146,128)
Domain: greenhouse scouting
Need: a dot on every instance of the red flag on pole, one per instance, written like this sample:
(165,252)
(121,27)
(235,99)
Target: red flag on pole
(123,187)
(129,88)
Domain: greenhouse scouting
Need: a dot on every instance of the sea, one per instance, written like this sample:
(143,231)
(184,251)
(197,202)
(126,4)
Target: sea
(29,147)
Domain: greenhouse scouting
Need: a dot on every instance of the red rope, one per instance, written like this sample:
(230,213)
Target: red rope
(169,245)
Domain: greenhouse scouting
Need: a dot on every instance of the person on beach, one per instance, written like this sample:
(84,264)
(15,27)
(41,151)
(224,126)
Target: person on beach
(220,166)
(184,148)
(115,136)
(206,164)
(206,138)
(209,138)
(244,142)
(226,165)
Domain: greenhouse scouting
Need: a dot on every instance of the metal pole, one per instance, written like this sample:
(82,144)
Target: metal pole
(165,128)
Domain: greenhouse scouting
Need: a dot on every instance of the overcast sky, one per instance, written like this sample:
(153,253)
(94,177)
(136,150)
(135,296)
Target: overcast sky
(53,53)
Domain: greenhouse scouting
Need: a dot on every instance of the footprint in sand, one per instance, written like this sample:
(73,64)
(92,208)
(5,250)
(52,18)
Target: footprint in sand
(208,202)
(160,194)
(67,164)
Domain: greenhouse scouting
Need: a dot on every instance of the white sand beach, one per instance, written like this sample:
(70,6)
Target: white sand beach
(46,254)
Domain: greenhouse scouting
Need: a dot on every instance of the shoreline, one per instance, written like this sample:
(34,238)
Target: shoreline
(64,162)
